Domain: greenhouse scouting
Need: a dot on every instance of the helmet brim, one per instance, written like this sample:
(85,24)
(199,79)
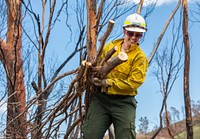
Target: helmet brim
(135,29)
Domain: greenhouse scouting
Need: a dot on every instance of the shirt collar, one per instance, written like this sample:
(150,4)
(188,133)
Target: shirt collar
(119,44)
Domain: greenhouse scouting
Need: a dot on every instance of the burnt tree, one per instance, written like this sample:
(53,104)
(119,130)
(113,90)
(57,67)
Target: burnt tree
(189,125)
(11,58)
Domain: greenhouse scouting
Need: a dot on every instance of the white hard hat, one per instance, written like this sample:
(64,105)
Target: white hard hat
(135,22)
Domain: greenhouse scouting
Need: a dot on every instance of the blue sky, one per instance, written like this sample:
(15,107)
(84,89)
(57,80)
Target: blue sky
(159,2)
(149,98)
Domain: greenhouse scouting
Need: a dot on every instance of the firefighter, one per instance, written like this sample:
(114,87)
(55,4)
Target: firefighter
(115,101)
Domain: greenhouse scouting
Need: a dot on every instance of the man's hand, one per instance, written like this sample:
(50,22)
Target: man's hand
(99,82)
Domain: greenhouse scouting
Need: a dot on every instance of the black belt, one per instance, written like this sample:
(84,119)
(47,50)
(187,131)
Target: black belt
(116,96)
(112,95)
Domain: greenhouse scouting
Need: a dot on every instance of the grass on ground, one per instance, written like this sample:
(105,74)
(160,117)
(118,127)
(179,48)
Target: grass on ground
(196,130)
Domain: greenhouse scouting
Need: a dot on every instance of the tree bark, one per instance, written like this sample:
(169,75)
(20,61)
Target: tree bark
(189,125)
(103,40)
(110,64)
(92,30)
(11,57)
(168,122)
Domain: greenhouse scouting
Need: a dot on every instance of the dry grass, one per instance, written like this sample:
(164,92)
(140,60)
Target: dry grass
(177,129)
(140,136)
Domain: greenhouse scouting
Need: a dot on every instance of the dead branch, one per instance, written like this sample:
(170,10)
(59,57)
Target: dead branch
(160,116)
(163,32)
(168,122)
(79,85)
(108,55)
(2,43)
(72,127)
(88,90)
(57,111)
(91,30)
(99,14)
(110,64)
(68,98)
(103,40)
(189,124)
(49,27)
(166,73)
(140,6)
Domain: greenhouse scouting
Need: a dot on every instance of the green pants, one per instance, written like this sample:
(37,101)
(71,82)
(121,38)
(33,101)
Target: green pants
(107,109)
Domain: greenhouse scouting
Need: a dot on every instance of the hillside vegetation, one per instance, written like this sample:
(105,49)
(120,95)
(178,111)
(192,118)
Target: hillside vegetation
(178,130)
(196,130)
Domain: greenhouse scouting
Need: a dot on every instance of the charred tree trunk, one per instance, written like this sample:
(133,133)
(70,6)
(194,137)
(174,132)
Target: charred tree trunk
(168,122)
(92,30)
(91,43)
(11,57)
(189,125)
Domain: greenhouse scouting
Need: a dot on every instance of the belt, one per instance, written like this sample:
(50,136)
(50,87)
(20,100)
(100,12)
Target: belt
(116,96)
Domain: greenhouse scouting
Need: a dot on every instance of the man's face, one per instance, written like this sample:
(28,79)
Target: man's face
(131,37)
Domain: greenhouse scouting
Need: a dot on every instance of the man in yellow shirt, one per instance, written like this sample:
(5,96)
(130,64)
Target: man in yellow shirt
(116,104)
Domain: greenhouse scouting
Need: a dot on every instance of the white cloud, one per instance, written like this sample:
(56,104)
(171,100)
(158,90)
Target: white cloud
(159,2)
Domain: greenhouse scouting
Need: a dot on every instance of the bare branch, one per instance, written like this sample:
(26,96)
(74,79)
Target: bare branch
(163,32)
(140,6)
(103,40)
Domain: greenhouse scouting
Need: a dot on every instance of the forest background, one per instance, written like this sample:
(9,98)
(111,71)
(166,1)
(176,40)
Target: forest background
(60,44)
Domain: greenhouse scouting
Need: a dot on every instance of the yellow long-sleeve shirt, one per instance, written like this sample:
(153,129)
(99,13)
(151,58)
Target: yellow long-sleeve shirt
(128,76)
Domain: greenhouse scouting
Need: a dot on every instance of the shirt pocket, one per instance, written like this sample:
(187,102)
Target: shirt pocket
(123,71)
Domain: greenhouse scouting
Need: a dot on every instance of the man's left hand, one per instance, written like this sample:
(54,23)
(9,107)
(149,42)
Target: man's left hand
(99,82)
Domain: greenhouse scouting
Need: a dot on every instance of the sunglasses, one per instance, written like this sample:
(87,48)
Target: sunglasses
(136,34)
